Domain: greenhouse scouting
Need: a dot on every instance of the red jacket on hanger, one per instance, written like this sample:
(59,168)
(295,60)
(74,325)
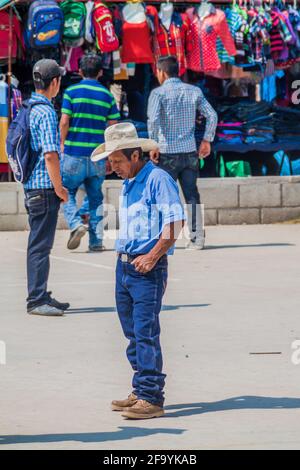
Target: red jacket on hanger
(17,37)
(202,50)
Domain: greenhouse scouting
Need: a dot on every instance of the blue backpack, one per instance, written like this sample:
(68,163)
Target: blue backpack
(45,24)
(21,157)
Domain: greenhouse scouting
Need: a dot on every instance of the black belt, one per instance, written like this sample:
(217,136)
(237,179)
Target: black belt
(45,190)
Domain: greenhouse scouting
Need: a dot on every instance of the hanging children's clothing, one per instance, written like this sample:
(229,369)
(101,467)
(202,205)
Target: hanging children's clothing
(172,41)
(71,58)
(17,38)
(202,49)
(4,116)
(136,34)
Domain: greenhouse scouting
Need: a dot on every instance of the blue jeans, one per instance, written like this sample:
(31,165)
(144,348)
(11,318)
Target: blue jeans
(139,300)
(77,171)
(42,206)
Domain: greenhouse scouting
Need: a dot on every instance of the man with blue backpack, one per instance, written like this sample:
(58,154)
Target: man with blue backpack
(33,148)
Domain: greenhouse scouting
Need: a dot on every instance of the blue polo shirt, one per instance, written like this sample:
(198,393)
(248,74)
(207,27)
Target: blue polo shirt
(89,105)
(147,203)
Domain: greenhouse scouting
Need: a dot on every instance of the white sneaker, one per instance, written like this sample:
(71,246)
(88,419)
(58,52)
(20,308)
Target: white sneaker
(46,311)
(198,244)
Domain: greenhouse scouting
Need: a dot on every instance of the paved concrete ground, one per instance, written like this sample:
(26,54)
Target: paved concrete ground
(239,296)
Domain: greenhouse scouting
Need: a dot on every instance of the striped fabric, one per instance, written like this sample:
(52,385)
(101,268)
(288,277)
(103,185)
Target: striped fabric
(89,105)
(277,42)
(45,138)
(235,22)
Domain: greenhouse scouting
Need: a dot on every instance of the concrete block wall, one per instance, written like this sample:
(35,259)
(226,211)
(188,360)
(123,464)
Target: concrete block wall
(227,201)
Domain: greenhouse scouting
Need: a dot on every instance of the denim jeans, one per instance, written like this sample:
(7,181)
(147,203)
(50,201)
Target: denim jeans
(139,300)
(42,206)
(77,171)
(185,168)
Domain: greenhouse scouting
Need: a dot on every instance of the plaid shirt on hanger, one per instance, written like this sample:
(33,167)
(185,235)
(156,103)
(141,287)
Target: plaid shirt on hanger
(172,41)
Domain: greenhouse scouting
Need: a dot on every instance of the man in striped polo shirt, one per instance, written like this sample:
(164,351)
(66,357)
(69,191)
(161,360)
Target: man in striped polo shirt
(88,109)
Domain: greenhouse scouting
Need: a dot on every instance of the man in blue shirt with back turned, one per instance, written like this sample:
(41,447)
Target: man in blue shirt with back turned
(151,218)
(88,108)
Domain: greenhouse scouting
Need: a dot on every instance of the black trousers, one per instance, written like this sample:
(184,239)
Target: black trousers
(42,206)
(185,168)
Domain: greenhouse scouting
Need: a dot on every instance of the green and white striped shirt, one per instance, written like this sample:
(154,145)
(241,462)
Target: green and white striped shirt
(90,105)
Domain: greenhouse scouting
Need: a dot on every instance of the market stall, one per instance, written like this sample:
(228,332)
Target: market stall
(244,55)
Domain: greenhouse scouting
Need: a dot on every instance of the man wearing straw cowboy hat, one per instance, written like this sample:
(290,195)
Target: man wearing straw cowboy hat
(151,218)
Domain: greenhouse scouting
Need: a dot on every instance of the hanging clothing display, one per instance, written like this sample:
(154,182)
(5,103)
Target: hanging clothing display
(17,38)
(4,115)
(71,58)
(16,101)
(136,34)
(202,49)
(243,34)
(234,24)
(172,41)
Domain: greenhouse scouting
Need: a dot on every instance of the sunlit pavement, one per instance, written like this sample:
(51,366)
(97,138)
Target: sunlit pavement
(223,305)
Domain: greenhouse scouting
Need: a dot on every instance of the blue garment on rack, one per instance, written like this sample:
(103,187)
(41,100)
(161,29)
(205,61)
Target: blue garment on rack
(268,86)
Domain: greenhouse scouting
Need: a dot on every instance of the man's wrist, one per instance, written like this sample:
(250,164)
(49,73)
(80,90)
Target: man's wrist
(58,188)
(154,257)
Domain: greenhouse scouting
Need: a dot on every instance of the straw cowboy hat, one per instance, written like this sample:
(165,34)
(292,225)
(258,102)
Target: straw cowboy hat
(120,137)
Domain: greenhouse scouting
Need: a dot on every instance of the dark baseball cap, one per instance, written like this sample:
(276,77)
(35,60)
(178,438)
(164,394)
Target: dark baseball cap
(47,69)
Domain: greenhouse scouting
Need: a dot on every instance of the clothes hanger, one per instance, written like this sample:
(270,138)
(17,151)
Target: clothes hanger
(205,8)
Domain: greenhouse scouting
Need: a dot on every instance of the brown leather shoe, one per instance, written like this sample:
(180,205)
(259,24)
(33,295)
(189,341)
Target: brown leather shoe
(120,405)
(143,410)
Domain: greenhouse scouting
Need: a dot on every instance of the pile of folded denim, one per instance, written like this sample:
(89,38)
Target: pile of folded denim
(230,132)
(242,109)
(250,122)
(286,122)
(245,122)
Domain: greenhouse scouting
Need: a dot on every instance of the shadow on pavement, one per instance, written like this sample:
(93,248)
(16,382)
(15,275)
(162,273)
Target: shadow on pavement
(236,403)
(124,433)
(166,308)
(87,252)
(255,245)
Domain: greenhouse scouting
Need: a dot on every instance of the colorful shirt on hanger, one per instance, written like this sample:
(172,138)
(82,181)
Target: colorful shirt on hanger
(234,21)
(172,41)
(202,52)
(17,38)
(279,35)
(137,41)
(260,25)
